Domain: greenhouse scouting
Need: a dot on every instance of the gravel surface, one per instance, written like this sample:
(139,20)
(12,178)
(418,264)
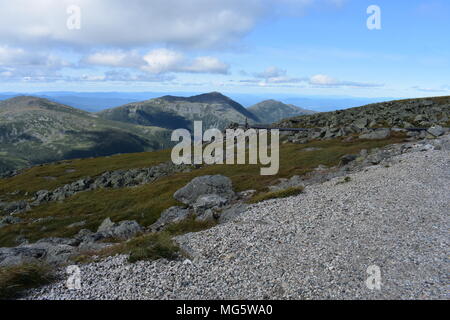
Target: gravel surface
(317,245)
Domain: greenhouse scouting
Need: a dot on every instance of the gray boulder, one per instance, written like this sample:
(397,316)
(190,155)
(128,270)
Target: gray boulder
(171,215)
(347,159)
(436,131)
(205,185)
(208,215)
(19,255)
(376,135)
(361,123)
(126,230)
(87,236)
(209,201)
(232,212)
(16,207)
(122,230)
(106,225)
(9,220)
(42,251)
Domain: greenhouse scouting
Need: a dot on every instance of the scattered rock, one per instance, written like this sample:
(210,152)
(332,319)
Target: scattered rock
(16,207)
(376,135)
(205,185)
(9,220)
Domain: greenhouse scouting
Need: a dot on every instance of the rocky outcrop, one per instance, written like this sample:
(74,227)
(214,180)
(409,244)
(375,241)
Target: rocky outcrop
(374,121)
(110,179)
(205,197)
(58,251)
(205,185)
(169,216)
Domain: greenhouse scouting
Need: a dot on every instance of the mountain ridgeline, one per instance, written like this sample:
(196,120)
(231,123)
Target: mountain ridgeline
(36,130)
(170,112)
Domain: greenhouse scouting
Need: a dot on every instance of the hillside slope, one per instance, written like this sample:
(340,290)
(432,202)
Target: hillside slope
(270,111)
(330,235)
(214,109)
(421,112)
(35,130)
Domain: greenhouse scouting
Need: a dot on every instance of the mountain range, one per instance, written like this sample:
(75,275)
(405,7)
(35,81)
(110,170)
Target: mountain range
(36,130)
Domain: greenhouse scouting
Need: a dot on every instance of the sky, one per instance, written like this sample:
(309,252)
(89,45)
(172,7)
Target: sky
(359,48)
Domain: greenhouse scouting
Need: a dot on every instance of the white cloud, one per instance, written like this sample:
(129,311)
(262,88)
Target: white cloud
(163,60)
(322,80)
(271,72)
(275,75)
(194,23)
(207,65)
(19,64)
(13,57)
(159,61)
(115,59)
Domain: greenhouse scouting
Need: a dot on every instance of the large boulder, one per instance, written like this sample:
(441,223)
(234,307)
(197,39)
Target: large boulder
(19,255)
(209,201)
(106,225)
(169,216)
(48,252)
(121,230)
(361,123)
(205,185)
(126,230)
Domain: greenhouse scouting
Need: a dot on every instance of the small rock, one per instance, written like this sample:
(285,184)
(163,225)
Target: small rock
(436,131)
(106,225)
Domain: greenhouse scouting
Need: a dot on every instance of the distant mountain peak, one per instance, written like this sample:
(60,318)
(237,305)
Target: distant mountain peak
(211,97)
(172,112)
(21,104)
(269,111)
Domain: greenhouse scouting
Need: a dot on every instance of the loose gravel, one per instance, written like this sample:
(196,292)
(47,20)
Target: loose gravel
(317,245)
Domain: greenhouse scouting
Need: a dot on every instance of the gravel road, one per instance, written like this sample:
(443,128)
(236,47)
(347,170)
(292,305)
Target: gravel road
(317,245)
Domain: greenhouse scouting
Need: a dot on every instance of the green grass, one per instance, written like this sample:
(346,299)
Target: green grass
(14,280)
(145,203)
(289,192)
(152,247)
(52,176)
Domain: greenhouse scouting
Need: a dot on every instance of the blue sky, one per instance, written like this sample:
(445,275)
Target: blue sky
(304,47)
